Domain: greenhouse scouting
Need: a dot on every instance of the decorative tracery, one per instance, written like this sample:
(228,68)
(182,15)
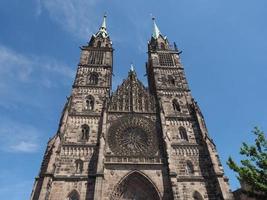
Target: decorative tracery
(132,96)
(135,186)
(132,136)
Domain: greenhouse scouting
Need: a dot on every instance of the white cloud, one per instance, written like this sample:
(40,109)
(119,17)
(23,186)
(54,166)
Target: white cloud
(18,137)
(24,146)
(23,74)
(77,17)
(22,68)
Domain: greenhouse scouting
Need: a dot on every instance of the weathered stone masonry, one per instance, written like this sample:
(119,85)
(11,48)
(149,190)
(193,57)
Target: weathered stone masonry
(136,142)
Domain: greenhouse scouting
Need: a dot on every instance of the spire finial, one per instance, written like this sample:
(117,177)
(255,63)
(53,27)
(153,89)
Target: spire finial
(132,67)
(103,29)
(156,31)
(104,25)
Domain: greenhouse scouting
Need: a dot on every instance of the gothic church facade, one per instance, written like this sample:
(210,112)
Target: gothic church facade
(134,143)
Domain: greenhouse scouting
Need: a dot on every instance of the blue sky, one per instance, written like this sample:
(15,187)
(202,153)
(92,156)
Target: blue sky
(224,55)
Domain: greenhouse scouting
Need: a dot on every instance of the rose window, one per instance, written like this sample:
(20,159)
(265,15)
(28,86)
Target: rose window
(132,136)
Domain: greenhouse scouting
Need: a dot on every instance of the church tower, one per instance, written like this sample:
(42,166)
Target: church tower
(135,143)
(194,167)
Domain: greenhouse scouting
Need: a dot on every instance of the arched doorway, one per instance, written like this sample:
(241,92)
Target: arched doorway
(135,186)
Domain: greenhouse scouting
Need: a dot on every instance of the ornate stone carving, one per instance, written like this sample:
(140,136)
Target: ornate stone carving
(135,186)
(132,136)
(132,96)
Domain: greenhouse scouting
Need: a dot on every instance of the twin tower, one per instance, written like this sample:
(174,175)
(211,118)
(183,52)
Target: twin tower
(135,143)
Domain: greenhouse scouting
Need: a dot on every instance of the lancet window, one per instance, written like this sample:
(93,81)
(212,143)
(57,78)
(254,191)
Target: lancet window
(98,44)
(171,80)
(176,106)
(189,168)
(85,132)
(183,134)
(79,166)
(89,103)
(162,45)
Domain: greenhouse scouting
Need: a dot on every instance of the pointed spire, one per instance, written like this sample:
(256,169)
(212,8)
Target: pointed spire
(103,29)
(156,32)
(104,25)
(132,68)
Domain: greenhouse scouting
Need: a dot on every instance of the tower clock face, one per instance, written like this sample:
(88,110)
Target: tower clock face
(132,136)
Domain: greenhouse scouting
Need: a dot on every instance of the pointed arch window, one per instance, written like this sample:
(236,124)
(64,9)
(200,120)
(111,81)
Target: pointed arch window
(197,196)
(189,168)
(85,132)
(162,45)
(74,195)
(171,80)
(79,166)
(135,186)
(98,44)
(89,103)
(183,134)
(176,106)
(93,78)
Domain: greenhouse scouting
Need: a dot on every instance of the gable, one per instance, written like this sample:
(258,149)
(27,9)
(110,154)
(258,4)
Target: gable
(132,96)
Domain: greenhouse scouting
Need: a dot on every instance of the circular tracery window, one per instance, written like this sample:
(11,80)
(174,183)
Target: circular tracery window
(132,136)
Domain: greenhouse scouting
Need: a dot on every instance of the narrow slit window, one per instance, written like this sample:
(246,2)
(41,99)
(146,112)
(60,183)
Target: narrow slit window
(189,168)
(183,134)
(79,166)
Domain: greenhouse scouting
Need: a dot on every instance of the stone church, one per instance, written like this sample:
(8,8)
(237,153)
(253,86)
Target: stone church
(134,143)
